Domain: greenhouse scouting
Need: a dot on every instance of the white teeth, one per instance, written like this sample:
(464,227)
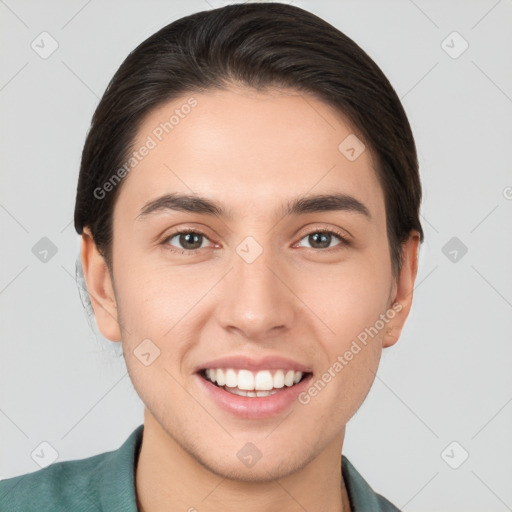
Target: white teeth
(279,379)
(231,378)
(266,393)
(221,378)
(247,381)
(239,392)
(263,381)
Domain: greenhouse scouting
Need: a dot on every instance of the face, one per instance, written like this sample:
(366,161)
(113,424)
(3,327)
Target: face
(250,279)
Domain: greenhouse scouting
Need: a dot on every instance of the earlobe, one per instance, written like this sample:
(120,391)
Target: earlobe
(390,338)
(100,288)
(404,289)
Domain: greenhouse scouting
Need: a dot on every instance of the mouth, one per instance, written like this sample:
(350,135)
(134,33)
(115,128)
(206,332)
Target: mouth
(253,384)
(253,388)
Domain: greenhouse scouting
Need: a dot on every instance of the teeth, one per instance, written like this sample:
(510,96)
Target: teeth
(278,379)
(239,392)
(266,393)
(247,381)
(263,381)
(221,377)
(231,378)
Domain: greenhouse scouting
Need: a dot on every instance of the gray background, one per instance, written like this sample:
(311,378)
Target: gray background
(448,379)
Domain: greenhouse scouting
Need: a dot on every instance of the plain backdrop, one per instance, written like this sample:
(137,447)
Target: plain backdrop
(442,393)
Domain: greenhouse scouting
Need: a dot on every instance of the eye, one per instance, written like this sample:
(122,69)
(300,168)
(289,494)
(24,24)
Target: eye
(321,239)
(189,241)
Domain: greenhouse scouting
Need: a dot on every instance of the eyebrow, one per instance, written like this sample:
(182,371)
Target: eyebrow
(192,203)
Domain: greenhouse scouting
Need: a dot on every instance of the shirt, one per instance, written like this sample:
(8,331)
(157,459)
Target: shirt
(106,483)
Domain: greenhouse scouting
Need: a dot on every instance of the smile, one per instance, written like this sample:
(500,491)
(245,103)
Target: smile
(252,394)
(253,384)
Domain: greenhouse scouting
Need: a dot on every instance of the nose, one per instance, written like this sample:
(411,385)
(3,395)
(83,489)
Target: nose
(257,301)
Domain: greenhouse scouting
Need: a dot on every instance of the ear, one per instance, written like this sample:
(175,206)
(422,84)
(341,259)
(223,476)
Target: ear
(100,288)
(403,289)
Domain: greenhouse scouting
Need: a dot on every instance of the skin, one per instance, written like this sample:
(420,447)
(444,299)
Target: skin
(251,151)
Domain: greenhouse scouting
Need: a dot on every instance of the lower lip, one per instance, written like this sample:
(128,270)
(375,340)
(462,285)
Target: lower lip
(254,407)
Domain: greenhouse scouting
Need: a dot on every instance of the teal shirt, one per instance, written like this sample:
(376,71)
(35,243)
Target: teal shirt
(106,483)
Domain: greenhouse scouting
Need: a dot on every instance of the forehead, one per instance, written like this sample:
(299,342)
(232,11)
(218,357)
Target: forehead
(247,148)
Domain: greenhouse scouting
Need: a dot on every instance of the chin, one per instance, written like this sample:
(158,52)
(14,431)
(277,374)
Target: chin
(261,472)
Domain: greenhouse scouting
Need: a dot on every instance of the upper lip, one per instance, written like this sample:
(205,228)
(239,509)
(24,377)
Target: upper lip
(255,364)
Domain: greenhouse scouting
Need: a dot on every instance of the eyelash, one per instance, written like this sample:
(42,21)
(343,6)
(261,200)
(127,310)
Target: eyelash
(344,241)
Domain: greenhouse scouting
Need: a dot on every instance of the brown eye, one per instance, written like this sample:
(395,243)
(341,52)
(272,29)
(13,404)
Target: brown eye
(187,241)
(322,239)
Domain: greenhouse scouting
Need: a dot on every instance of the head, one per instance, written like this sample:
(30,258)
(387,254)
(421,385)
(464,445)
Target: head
(280,128)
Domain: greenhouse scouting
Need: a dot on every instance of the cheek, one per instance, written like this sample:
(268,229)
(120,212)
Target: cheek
(352,303)
(148,296)
(162,303)
(156,307)
(351,297)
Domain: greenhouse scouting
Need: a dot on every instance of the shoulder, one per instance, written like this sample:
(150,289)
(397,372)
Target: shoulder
(60,486)
(84,485)
(362,496)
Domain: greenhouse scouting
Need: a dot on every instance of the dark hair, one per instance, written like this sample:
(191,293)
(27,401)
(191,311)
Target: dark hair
(257,45)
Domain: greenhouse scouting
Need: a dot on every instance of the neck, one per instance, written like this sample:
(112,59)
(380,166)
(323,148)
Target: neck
(169,478)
